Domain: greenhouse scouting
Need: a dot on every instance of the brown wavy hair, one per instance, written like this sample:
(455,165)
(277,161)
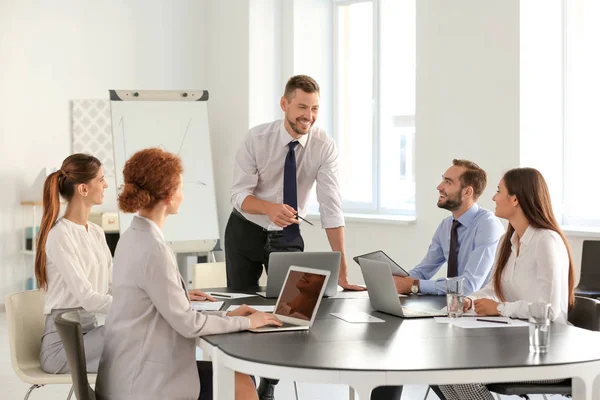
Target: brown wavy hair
(150,175)
(474,176)
(533,195)
(76,169)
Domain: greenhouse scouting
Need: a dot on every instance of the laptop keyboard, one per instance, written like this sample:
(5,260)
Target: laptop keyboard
(422,312)
(270,327)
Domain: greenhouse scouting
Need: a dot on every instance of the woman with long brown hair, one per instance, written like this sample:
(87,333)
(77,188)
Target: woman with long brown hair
(73,264)
(533,262)
(151,330)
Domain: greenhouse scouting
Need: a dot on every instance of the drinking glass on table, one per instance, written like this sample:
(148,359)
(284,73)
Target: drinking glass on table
(455,296)
(539,328)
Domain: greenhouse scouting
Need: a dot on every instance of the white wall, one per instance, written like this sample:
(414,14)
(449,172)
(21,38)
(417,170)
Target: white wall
(467,91)
(51,53)
(228,83)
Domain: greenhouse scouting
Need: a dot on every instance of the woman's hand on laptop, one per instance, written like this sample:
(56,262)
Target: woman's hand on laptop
(241,311)
(260,319)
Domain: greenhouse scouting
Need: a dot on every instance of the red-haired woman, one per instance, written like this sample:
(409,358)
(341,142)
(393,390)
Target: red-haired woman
(533,262)
(73,264)
(149,349)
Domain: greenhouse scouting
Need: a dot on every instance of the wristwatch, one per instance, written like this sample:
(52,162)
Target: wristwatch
(414,289)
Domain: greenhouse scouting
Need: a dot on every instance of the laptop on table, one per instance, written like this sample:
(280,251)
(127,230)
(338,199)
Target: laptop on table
(280,262)
(379,255)
(383,295)
(299,299)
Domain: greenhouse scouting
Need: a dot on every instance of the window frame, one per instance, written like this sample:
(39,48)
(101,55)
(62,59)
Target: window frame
(374,207)
(568,220)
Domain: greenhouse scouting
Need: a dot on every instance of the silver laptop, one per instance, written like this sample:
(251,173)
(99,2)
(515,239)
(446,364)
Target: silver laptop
(280,262)
(299,300)
(379,255)
(383,295)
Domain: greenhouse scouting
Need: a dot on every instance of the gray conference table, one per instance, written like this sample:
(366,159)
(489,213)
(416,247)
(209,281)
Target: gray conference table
(400,351)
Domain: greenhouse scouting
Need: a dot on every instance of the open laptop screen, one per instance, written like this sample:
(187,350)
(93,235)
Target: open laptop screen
(300,295)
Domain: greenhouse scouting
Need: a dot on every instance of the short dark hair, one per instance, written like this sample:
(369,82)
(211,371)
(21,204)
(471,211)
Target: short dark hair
(474,176)
(302,82)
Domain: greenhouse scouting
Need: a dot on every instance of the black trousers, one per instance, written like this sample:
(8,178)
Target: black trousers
(205,373)
(247,249)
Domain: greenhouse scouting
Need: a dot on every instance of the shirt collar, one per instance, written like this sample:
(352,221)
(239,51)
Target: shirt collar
(153,225)
(469,216)
(286,137)
(526,236)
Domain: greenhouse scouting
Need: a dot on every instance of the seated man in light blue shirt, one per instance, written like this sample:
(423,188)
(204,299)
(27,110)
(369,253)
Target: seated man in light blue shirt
(467,240)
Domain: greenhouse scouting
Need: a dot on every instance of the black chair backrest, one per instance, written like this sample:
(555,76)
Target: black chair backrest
(590,265)
(71,334)
(585,313)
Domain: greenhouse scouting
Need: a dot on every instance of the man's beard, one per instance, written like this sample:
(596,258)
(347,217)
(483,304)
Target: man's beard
(295,127)
(452,203)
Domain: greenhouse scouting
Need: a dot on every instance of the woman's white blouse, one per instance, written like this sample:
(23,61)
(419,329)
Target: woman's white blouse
(540,273)
(78,268)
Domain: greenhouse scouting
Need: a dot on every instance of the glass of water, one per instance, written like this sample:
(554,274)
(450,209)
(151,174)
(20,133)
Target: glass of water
(455,296)
(539,328)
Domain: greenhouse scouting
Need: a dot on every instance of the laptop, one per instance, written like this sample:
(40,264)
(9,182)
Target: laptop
(379,255)
(383,294)
(299,300)
(280,262)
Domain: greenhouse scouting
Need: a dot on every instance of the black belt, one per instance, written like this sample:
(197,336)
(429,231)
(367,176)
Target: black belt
(240,215)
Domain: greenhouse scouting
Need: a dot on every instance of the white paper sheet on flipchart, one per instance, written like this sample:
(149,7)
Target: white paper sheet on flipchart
(231,296)
(357,317)
(207,305)
(267,309)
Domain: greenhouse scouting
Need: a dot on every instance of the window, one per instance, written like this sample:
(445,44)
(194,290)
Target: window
(581,107)
(374,104)
(559,102)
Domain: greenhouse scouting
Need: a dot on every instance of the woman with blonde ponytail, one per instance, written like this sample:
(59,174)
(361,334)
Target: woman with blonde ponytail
(73,264)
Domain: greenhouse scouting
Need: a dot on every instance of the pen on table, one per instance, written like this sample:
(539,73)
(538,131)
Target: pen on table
(221,295)
(492,320)
(307,221)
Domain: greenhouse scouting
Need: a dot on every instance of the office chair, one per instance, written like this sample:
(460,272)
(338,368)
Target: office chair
(25,319)
(585,314)
(589,281)
(71,334)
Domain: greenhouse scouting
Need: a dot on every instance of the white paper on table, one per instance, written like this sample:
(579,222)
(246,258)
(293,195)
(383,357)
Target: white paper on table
(474,323)
(257,308)
(230,295)
(445,320)
(207,305)
(357,317)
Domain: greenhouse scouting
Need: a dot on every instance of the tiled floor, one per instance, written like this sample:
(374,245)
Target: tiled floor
(13,388)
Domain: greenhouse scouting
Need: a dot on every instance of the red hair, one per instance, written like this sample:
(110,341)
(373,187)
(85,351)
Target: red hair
(150,176)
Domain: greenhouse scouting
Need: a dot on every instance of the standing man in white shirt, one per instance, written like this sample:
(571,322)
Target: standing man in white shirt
(275,169)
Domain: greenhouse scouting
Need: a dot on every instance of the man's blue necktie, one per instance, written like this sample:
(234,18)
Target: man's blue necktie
(290,190)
